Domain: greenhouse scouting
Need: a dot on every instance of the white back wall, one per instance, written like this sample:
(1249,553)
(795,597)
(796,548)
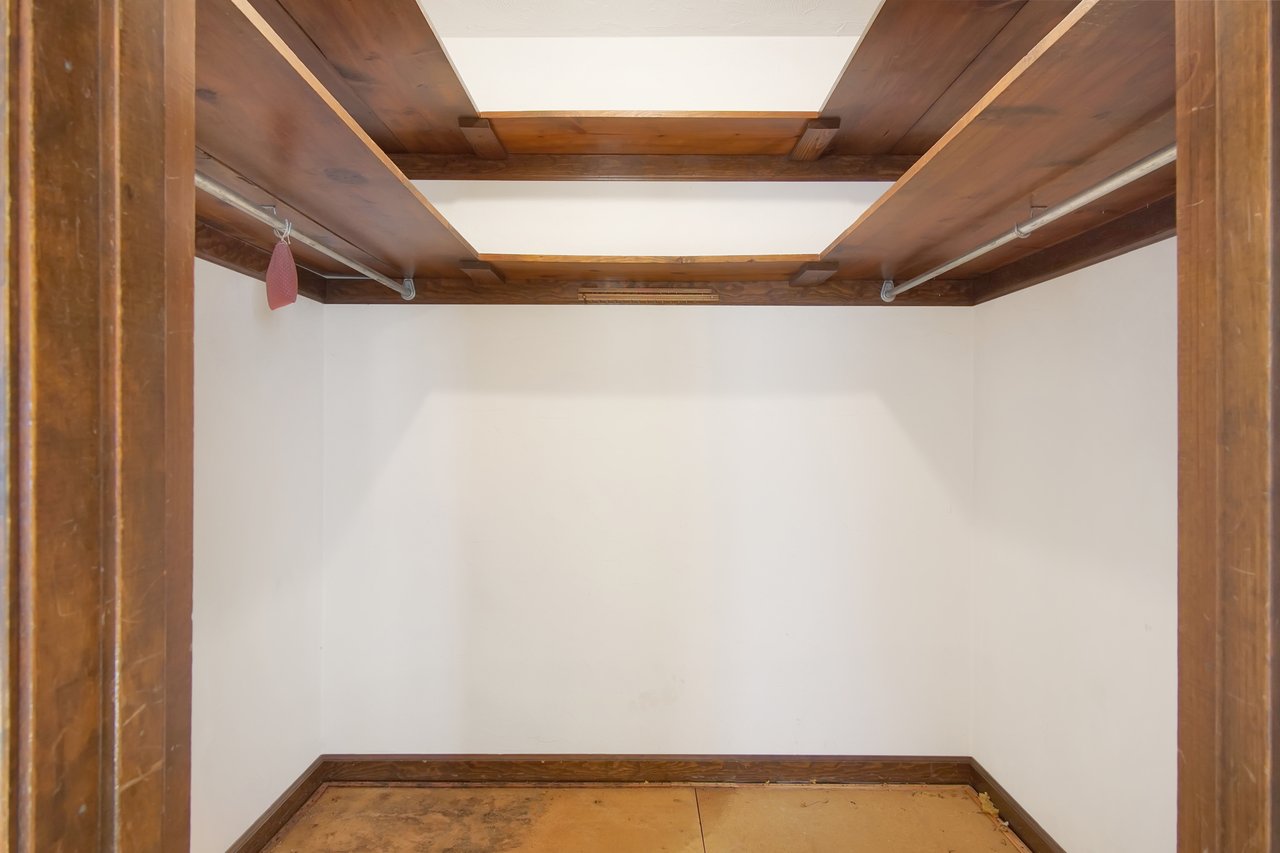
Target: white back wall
(256,645)
(1075,593)
(621,529)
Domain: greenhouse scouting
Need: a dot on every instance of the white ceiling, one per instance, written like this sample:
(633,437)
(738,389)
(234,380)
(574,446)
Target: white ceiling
(542,18)
(666,74)
(650,217)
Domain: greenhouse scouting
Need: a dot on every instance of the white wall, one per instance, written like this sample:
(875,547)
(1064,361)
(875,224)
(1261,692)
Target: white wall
(256,649)
(1075,597)
(615,529)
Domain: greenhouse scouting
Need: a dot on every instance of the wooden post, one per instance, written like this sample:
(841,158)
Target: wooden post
(1228,396)
(99,129)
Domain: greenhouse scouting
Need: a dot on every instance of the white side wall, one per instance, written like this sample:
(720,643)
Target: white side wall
(620,529)
(258,458)
(1075,598)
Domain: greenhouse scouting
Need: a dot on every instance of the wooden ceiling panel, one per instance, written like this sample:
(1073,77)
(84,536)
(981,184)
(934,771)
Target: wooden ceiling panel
(649,133)
(260,112)
(1091,100)
(388,54)
(911,54)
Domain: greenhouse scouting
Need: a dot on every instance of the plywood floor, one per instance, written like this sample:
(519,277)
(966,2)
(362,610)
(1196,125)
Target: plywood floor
(646,819)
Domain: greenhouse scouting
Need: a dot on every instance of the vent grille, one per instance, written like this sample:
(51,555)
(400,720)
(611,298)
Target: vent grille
(648,296)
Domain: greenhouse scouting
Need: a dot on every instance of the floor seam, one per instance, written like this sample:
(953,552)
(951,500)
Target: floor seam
(702,833)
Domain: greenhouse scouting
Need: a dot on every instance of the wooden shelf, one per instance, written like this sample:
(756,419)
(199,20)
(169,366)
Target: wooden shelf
(1094,96)
(262,114)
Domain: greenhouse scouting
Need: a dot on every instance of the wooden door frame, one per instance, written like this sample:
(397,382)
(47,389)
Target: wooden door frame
(97,313)
(1228,284)
(99,127)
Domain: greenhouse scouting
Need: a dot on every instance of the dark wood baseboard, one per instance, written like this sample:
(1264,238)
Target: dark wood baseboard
(1022,823)
(636,769)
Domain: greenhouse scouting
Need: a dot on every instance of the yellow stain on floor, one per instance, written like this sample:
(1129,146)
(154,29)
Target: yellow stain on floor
(646,819)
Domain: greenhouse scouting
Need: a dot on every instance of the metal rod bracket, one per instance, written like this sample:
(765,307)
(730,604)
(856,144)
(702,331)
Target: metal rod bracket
(886,291)
(409,290)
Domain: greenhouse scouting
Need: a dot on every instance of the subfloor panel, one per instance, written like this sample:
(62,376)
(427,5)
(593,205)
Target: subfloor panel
(646,819)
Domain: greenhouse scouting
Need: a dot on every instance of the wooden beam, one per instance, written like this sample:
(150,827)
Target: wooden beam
(565,292)
(653,268)
(1140,228)
(818,134)
(1092,98)
(247,259)
(656,167)
(815,273)
(483,141)
(1229,439)
(261,112)
(629,132)
(99,145)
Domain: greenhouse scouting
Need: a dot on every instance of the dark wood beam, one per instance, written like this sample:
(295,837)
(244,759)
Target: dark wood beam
(653,167)
(247,259)
(550,292)
(818,134)
(99,147)
(483,141)
(1228,436)
(1143,227)
(815,273)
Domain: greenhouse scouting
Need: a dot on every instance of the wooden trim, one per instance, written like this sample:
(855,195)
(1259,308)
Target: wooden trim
(500,770)
(288,804)
(100,145)
(653,167)
(1145,226)
(1228,184)
(814,273)
(235,254)
(482,273)
(818,134)
(1023,825)
(557,292)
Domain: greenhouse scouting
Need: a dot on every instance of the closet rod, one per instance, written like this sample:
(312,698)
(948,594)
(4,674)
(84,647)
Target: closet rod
(1146,166)
(239,202)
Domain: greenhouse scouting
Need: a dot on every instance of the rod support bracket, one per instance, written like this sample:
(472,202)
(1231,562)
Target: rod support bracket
(886,291)
(409,290)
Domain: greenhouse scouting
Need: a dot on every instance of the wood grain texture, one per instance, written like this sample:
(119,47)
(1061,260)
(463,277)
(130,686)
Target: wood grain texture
(1031,23)
(1229,393)
(562,292)
(101,456)
(649,268)
(247,259)
(483,274)
(483,141)
(264,115)
(388,54)
(1143,227)
(910,55)
(817,135)
(329,76)
(653,167)
(243,227)
(1091,99)
(649,133)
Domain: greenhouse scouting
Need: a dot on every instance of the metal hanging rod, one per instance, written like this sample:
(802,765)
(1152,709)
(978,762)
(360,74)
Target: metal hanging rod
(224,194)
(1146,166)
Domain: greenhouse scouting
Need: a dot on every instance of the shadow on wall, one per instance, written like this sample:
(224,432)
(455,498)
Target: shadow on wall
(646,529)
